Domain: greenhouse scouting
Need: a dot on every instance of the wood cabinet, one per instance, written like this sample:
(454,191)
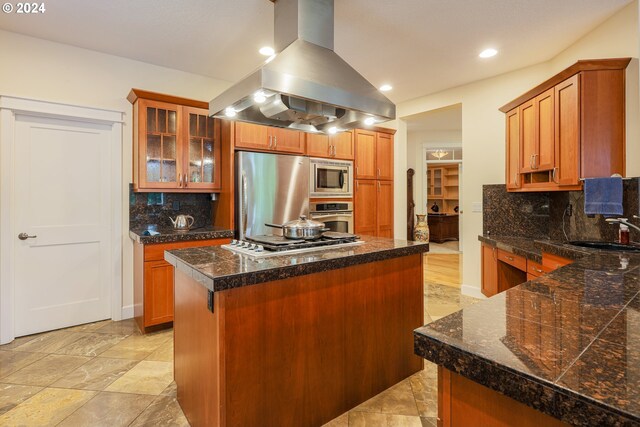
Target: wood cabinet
(373,199)
(373,208)
(443,188)
(489,257)
(365,207)
(384,209)
(298,351)
(570,127)
(373,155)
(513,149)
(463,402)
(502,270)
(267,138)
(442,227)
(365,154)
(338,146)
(153,282)
(176,145)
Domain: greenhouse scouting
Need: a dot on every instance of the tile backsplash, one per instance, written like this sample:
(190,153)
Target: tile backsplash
(155,208)
(541,215)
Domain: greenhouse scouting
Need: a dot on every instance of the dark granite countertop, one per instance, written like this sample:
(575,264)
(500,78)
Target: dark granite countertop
(219,269)
(532,248)
(566,344)
(169,235)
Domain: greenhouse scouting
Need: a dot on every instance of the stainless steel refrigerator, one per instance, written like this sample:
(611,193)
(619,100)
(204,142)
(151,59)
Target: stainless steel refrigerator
(271,188)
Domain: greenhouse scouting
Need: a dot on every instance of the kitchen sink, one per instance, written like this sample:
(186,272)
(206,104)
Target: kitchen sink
(606,246)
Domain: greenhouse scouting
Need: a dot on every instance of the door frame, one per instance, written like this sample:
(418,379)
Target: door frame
(422,168)
(9,108)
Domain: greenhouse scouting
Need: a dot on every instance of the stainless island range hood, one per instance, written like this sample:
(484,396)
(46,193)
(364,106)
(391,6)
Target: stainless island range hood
(306,85)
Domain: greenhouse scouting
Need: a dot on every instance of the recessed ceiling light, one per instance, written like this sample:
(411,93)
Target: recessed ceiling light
(385,88)
(333,130)
(488,53)
(230,112)
(369,121)
(267,51)
(259,97)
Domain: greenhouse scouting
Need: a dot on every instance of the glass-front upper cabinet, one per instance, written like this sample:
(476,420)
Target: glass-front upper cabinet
(158,145)
(176,146)
(202,149)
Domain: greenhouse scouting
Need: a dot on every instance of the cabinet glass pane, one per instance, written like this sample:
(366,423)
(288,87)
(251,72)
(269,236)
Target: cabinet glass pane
(193,124)
(151,120)
(172,122)
(207,159)
(202,126)
(210,127)
(195,159)
(168,158)
(153,158)
(162,120)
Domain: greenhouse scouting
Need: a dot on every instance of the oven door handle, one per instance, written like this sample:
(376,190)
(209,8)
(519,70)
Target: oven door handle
(341,179)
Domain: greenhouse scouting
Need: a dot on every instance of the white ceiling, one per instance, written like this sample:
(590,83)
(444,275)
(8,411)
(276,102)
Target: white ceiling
(419,46)
(447,118)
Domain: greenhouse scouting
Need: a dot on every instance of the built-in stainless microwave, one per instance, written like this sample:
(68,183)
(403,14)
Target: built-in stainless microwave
(330,178)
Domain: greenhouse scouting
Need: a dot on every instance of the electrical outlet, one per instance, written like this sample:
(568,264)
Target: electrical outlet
(476,207)
(176,205)
(569,209)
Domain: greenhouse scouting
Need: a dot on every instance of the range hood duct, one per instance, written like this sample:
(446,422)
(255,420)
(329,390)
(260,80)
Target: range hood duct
(306,85)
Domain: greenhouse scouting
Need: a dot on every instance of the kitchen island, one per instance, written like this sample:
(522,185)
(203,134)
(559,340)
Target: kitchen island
(559,350)
(293,340)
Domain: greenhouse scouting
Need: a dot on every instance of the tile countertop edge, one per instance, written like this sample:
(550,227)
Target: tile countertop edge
(509,244)
(236,280)
(191,235)
(537,393)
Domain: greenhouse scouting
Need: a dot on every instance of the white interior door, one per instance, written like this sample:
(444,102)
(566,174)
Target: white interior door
(62,198)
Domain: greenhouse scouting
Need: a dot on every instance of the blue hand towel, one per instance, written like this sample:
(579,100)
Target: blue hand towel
(603,196)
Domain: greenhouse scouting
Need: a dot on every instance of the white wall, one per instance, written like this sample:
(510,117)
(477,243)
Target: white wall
(39,69)
(483,137)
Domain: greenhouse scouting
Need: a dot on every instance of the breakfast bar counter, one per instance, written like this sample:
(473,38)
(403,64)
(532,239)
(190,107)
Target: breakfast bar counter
(563,349)
(293,340)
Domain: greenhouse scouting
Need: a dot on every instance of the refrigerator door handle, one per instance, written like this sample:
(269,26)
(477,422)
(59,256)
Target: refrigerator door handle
(243,207)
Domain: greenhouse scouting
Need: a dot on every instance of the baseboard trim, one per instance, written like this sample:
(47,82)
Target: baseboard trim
(472,291)
(127,312)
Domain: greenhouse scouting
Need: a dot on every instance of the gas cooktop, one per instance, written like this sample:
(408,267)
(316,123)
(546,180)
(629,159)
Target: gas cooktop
(269,245)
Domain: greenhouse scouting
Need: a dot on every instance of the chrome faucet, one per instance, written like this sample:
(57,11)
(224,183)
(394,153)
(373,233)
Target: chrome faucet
(623,221)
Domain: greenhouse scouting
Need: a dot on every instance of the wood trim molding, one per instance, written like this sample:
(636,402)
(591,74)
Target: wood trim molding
(155,96)
(382,130)
(57,109)
(582,65)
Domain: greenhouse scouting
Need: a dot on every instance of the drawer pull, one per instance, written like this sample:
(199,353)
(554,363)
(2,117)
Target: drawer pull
(510,258)
(537,270)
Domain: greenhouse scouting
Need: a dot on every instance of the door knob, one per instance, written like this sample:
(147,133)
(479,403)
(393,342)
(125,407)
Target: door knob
(25,236)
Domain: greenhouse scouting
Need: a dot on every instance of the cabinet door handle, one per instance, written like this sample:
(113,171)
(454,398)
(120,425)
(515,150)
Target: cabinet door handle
(378,172)
(270,141)
(516,178)
(531,162)
(275,141)
(180,184)
(185,180)
(378,186)
(554,175)
(535,161)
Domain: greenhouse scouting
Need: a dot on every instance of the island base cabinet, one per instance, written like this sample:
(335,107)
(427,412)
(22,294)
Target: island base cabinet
(463,402)
(298,351)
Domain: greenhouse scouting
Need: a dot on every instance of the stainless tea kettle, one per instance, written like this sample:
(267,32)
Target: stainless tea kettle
(182,222)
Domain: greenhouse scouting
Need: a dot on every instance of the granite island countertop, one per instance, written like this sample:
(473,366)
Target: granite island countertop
(219,269)
(566,344)
(169,235)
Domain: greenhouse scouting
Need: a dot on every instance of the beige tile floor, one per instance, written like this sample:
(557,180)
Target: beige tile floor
(108,374)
